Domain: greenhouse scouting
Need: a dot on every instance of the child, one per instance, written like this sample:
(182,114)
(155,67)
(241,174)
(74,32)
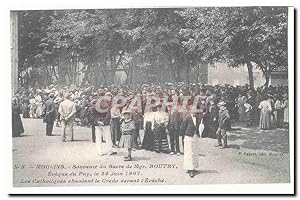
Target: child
(223,119)
(127,129)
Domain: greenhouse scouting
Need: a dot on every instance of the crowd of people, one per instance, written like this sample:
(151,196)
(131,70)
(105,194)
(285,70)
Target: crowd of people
(218,107)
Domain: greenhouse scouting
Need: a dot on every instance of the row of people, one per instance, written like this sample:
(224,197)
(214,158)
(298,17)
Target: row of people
(263,107)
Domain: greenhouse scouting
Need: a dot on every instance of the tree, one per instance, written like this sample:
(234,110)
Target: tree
(205,39)
(258,35)
(238,36)
(53,43)
(32,34)
(157,33)
(271,41)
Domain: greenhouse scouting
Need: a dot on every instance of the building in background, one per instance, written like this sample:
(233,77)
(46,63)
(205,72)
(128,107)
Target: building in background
(221,74)
(279,77)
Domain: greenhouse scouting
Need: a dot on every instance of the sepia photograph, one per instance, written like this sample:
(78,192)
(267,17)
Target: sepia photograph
(151,96)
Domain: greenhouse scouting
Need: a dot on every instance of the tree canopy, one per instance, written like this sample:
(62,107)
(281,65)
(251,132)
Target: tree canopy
(61,45)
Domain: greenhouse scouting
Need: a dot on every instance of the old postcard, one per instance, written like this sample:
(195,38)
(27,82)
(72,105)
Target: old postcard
(165,97)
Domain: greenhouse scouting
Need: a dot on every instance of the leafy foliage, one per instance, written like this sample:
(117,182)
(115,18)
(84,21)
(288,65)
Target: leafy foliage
(150,40)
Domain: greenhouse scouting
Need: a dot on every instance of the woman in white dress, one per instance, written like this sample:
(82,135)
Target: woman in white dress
(265,114)
(190,129)
(39,105)
(241,108)
(285,107)
(104,143)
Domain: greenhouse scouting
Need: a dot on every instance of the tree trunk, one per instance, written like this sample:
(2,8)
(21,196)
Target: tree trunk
(62,68)
(54,72)
(187,80)
(250,73)
(267,76)
(134,76)
(197,78)
(178,78)
(187,71)
(98,71)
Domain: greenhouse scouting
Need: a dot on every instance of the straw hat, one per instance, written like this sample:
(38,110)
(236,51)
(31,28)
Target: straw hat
(57,100)
(222,103)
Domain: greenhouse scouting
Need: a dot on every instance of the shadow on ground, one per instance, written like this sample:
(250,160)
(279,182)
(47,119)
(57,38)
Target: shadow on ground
(273,140)
(80,140)
(199,172)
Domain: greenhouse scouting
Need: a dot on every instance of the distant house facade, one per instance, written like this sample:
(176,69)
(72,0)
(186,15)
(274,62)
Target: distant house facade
(217,74)
(279,76)
(220,73)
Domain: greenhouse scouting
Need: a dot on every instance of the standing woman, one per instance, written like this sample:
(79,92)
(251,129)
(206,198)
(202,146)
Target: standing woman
(241,108)
(190,129)
(278,112)
(25,106)
(17,125)
(271,100)
(285,107)
(148,140)
(213,120)
(39,104)
(265,114)
(160,135)
(32,106)
(127,129)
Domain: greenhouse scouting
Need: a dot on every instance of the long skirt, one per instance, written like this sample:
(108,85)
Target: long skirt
(210,126)
(190,158)
(25,111)
(39,110)
(148,140)
(278,117)
(160,139)
(242,115)
(17,125)
(265,120)
(103,141)
(115,130)
(286,115)
(32,111)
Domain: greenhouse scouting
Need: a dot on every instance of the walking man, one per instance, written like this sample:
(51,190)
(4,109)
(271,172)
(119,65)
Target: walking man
(67,111)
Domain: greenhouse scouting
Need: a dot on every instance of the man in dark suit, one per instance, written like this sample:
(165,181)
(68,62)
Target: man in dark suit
(97,117)
(49,114)
(175,120)
(94,118)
